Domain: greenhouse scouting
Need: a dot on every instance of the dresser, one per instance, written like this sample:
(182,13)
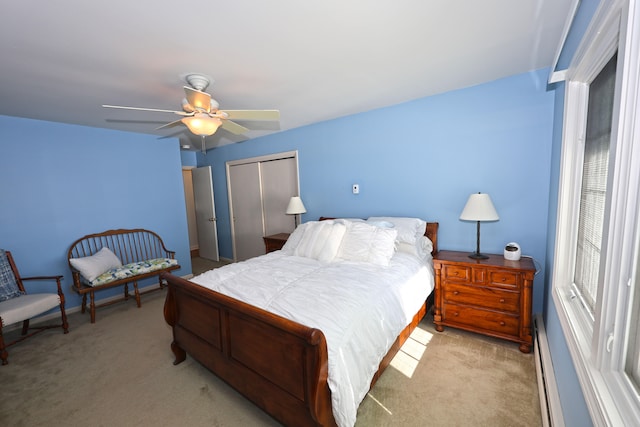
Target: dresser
(275,242)
(488,296)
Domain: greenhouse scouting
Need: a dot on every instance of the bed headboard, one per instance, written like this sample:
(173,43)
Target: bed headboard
(431,232)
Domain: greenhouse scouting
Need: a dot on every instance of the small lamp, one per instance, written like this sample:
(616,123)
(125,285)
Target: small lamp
(295,208)
(479,208)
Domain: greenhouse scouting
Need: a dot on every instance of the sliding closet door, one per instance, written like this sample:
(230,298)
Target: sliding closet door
(279,183)
(259,192)
(246,210)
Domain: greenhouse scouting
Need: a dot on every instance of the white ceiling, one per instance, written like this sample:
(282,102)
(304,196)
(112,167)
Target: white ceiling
(313,60)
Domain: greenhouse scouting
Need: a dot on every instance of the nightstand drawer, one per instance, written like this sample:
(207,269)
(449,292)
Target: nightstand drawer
(506,279)
(500,323)
(464,274)
(456,272)
(482,297)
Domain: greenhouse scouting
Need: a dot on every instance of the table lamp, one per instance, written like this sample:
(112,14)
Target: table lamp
(479,208)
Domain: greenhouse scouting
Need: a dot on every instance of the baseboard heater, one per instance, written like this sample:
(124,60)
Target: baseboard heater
(547,386)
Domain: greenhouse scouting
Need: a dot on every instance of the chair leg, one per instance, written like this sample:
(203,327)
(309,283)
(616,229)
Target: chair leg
(92,307)
(136,292)
(3,350)
(65,324)
(25,327)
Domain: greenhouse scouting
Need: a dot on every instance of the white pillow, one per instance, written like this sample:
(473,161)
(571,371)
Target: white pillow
(382,224)
(409,229)
(294,239)
(332,242)
(421,249)
(368,243)
(320,240)
(91,267)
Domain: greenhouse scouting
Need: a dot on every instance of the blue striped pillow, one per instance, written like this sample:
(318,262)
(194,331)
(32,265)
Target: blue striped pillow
(8,285)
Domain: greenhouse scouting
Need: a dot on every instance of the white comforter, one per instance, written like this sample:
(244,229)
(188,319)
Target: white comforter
(360,307)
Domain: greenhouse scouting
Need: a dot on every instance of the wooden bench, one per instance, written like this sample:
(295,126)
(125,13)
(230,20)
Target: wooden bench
(140,254)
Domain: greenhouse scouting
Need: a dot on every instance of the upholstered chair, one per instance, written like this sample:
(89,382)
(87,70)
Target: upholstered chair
(16,305)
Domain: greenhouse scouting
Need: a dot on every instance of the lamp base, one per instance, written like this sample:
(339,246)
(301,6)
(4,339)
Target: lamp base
(478,255)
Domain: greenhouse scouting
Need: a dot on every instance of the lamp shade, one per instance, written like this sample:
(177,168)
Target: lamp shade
(479,208)
(296,206)
(201,124)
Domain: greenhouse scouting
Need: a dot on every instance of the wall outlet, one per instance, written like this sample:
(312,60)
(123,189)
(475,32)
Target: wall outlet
(356,189)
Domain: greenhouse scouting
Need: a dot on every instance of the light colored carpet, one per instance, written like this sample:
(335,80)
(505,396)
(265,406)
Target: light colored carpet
(119,372)
(200,265)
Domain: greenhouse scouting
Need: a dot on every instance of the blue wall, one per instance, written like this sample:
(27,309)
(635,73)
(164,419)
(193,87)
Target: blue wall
(423,158)
(188,158)
(61,182)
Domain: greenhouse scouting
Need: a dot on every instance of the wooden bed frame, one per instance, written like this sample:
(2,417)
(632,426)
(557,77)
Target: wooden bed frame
(278,364)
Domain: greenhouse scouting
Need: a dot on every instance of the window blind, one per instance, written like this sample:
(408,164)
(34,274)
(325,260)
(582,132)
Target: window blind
(593,192)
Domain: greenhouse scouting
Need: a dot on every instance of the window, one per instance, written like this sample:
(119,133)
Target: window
(593,191)
(596,277)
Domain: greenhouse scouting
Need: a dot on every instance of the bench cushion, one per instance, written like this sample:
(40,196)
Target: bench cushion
(131,270)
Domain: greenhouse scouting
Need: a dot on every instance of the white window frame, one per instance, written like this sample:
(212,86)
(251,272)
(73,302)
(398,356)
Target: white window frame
(598,344)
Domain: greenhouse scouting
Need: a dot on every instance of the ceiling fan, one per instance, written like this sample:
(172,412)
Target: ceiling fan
(201,114)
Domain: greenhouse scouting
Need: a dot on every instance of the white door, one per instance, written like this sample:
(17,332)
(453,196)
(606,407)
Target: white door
(246,211)
(259,190)
(279,183)
(190,202)
(205,213)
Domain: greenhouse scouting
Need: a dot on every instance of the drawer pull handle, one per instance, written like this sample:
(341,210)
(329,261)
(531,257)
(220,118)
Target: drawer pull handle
(502,300)
(502,323)
(456,314)
(456,292)
(504,279)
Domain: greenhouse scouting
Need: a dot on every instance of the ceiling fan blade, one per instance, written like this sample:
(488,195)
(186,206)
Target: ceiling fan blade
(197,99)
(170,124)
(253,114)
(234,127)
(181,113)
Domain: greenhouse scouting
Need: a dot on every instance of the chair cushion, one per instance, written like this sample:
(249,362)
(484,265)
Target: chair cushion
(8,285)
(26,307)
(133,269)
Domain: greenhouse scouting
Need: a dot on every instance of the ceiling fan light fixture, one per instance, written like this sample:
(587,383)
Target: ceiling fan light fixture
(202,124)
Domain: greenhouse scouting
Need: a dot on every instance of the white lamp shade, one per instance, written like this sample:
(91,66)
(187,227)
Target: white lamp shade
(479,208)
(201,124)
(296,206)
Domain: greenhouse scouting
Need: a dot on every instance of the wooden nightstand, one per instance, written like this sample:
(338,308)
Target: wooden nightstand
(490,296)
(275,241)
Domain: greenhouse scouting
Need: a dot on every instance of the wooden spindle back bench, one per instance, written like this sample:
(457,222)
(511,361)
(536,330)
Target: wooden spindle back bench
(117,258)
